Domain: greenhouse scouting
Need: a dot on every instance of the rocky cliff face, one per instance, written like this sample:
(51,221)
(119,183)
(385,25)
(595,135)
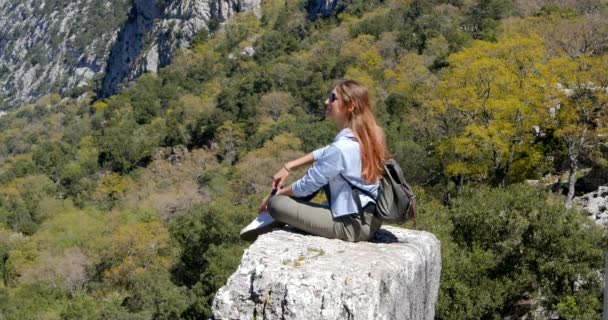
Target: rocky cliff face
(287,275)
(47,46)
(324,8)
(64,45)
(151,34)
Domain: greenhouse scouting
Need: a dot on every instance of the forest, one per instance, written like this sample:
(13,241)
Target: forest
(129,207)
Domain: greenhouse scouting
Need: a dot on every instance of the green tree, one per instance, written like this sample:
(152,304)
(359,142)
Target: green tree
(124,146)
(82,307)
(208,237)
(50,158)
(272,44)
(504,248)
(153,293)
(481,18)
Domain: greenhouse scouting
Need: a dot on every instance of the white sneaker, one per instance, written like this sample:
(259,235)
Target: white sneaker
(263,223)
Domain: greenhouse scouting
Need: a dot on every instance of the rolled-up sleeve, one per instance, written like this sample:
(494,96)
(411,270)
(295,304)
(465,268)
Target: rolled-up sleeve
(328,164)
(319,152)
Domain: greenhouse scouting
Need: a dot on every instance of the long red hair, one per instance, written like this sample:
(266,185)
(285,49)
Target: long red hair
(362,122)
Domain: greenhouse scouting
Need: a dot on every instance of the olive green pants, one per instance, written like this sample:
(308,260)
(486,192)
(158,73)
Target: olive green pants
(317,219)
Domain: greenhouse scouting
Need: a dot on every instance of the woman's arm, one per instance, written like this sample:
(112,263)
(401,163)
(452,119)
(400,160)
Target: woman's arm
(281,175)
(328,165)
(306,159)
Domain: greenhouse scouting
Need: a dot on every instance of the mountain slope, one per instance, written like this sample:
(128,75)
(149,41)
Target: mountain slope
(66,46)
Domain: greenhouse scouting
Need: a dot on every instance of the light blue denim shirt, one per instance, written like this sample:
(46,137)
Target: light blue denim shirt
(342,156)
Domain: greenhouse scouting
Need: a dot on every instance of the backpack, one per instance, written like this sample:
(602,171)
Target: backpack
(396,201)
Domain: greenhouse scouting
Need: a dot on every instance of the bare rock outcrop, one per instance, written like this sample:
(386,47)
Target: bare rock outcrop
(288,275)
(596,205)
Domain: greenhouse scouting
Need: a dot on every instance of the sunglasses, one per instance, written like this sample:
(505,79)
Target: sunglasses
(332,97)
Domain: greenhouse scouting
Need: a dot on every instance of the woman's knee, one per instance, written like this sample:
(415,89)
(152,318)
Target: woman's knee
(277,205)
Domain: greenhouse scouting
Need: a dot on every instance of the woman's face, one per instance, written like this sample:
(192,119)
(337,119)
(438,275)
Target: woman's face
(334,108)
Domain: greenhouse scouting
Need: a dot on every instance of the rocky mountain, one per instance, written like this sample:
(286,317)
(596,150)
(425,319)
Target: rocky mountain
(288,275)
(152,33)
(53,46)
(68,47)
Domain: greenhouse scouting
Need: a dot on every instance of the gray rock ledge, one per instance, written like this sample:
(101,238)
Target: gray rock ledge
(288,275)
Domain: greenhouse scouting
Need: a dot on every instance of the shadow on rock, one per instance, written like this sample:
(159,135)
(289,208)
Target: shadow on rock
(384,236)
(381,236)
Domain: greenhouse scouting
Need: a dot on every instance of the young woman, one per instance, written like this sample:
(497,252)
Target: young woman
(357,154)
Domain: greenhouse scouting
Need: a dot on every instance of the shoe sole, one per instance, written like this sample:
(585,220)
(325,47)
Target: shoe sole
(253,234)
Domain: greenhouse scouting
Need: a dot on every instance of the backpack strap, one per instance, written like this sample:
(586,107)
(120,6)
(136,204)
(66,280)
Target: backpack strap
(365,192)
(355,192)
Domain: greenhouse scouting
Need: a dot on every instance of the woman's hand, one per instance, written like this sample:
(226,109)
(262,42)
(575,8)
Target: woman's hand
(264,205)
(280,177)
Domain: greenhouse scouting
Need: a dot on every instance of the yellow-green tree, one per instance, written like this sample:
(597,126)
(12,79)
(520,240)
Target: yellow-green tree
(230,137)
(111,189)
(260,164)
(490,105)
(137,247)
(363,54)
(581,115)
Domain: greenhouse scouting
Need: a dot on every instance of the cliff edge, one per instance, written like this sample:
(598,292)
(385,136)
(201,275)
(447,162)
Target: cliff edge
(288,275)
